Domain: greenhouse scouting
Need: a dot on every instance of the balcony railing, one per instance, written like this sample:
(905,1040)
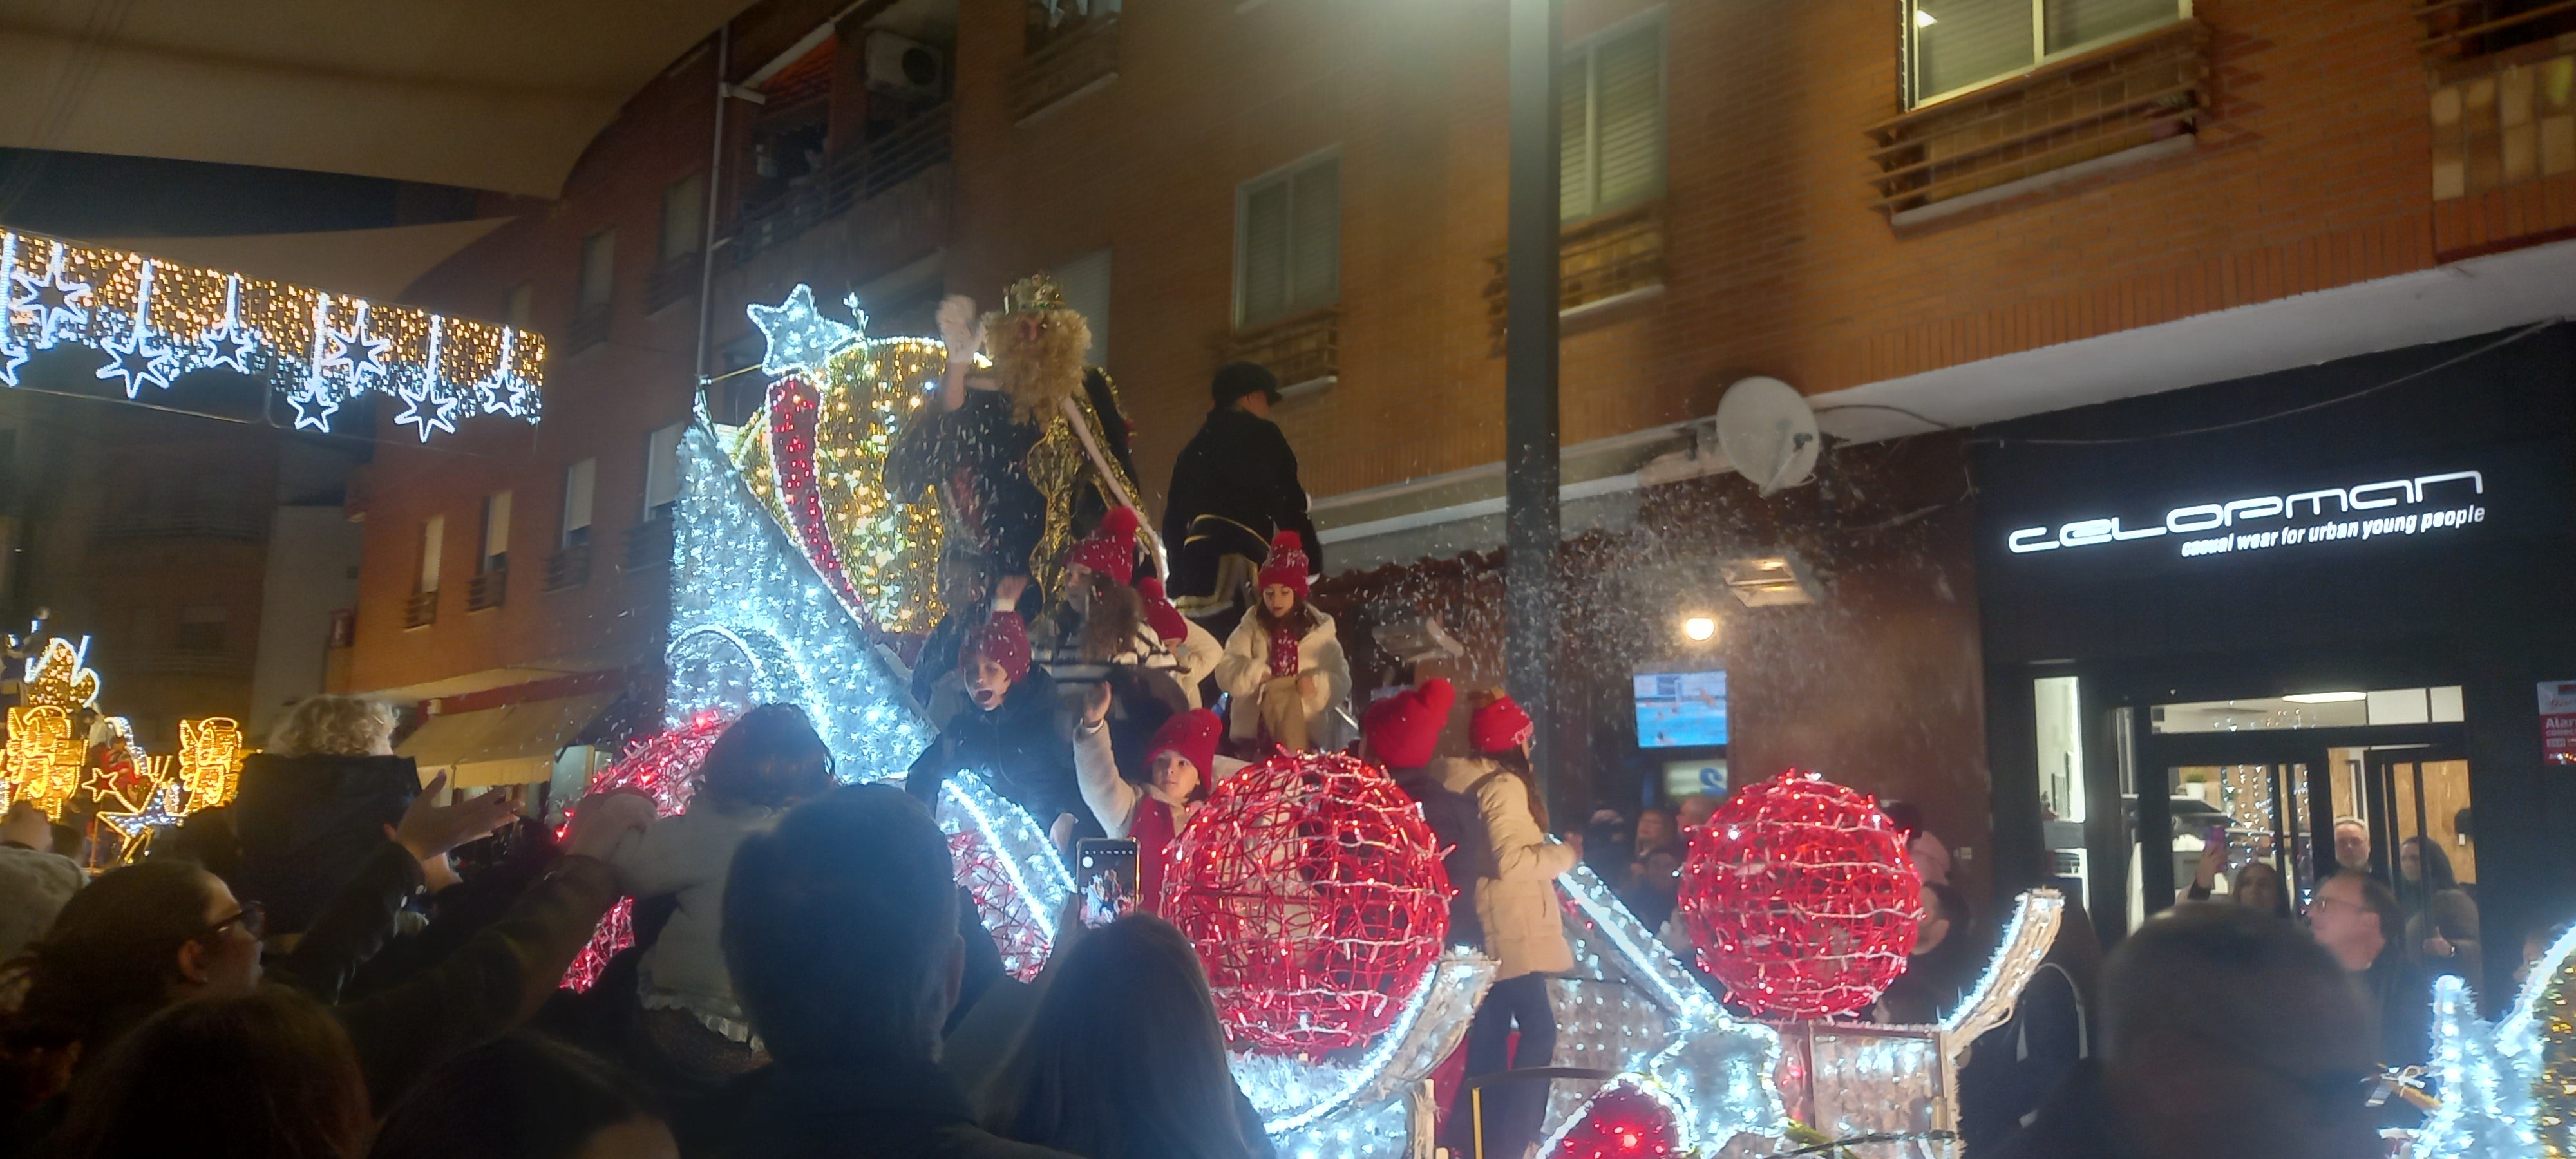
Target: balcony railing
(855,175)
(421,610)
(2020,134)
(2466,29)
(1609,257)
(1303,349)
(648,547)
(672,281)
(588,328)
(569,568)
(1069,65)
(488,589)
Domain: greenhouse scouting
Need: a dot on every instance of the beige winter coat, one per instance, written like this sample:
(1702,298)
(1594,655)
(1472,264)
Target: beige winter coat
(1524,927)
(1245,667)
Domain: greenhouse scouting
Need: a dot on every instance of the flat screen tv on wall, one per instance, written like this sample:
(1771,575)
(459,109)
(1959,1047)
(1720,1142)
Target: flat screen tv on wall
(1681,709)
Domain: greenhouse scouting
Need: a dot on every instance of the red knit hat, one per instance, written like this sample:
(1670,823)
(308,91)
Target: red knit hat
(1167,621)
(1498,725)
(1403,730)
(1002,640)
(1286,566)
(1111,547)
(1193,735)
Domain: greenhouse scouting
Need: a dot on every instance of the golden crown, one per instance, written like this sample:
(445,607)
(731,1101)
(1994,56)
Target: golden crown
(1034,292)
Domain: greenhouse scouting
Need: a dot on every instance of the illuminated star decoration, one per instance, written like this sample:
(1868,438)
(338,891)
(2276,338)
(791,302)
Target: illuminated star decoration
(139,358)
(55,297)
(356,353)
(13,352)
(423,408)
(229,344)
(313,404)
(800,337)
(137,827)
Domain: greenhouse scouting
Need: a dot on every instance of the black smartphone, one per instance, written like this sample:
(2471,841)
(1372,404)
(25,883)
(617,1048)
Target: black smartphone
(1104,871)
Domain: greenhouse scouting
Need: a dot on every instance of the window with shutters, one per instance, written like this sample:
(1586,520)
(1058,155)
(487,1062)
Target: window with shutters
(1957,45)
(581,482)
(1288,241)
(1612,121)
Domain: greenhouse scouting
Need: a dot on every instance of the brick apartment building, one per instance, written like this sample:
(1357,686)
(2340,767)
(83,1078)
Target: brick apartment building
(1924,214)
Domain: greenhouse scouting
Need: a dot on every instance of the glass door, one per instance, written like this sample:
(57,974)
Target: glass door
(2239,832)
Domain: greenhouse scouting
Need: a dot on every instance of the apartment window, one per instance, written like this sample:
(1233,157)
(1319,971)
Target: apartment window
(1611,94)
(201,628)
(1085,282)
(598,269)
(1288,241)
(662,471)
(520,310)
(581,483)
(1960,44)
(684,216)
(496,534)
(433,537)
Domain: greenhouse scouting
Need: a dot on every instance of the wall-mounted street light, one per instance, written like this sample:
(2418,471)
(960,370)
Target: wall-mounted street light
(1699,628)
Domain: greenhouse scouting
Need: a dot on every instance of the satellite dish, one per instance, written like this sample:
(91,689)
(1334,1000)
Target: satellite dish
(1767,431)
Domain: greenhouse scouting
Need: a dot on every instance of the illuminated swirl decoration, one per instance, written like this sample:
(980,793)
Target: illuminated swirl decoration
(158,320)
(210,761)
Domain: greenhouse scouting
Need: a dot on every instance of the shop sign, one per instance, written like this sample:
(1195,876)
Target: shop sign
(2558,721)
(2376,509)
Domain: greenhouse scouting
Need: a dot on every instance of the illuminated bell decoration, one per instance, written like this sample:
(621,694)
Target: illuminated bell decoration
(157,320)
(1314,893)
(210,761)
(1800,898)
(44,758)
(665,768)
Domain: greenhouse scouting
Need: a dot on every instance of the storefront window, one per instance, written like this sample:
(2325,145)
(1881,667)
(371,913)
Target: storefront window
(2060,722)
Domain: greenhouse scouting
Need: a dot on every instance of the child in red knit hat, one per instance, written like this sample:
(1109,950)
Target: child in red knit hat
(1188,652)
(1180,763)
(1284,665)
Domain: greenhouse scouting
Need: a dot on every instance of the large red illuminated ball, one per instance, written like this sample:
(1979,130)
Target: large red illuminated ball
(1800,897)
(665,768)
(1315,896)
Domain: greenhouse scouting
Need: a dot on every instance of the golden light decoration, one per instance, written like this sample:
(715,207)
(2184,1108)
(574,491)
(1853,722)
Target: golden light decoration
(210,761)
(125,775)
(2553,1092)
(157,320)
(44,760)
(58,678)
(889,551)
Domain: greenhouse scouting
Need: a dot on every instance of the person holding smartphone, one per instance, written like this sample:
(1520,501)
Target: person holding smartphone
(1180,762)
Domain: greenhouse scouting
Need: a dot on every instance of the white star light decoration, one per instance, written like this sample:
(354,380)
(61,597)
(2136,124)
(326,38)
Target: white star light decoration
(160,812)
(800,337)
(45,302)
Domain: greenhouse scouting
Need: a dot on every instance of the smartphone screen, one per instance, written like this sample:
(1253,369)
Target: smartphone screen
(1104,869)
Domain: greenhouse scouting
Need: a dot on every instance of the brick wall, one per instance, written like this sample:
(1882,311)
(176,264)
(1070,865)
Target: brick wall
(2312,173)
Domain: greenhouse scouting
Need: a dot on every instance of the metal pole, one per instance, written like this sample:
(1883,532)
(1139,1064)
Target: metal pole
(1530,518)
(707,238)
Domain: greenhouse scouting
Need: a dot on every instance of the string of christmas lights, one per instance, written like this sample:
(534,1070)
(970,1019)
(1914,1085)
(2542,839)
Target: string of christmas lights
(157,320)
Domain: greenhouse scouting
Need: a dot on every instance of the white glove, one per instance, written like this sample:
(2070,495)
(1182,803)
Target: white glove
(960,326)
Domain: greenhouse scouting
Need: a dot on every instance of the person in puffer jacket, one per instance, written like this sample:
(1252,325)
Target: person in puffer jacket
(1524,926)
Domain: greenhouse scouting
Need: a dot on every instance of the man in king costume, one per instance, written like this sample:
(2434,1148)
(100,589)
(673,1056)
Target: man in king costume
(1024,458)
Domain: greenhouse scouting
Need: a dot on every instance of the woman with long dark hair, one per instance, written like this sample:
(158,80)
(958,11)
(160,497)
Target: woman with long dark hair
(2441,918)
(1124,1058)
(764,764)
(267,1074)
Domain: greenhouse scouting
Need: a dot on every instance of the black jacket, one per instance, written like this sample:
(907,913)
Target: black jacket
(2076,1122)
(1234,486)
(871,1112)
(1020,749)
(306,824)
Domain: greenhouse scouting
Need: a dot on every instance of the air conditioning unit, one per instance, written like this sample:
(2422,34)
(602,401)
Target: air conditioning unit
(906,67)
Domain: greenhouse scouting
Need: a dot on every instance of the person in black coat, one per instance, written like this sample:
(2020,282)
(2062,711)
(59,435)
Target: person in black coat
(313,807)
(1233,488)
(1010,733)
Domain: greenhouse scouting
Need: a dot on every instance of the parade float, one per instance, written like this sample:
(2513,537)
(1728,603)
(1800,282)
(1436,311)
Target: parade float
(74,761)
(1307,885)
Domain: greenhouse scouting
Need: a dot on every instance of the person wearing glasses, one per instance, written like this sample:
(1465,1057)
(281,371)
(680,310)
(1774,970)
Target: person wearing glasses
(2357,919)
(148,936)
(2226,1034)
